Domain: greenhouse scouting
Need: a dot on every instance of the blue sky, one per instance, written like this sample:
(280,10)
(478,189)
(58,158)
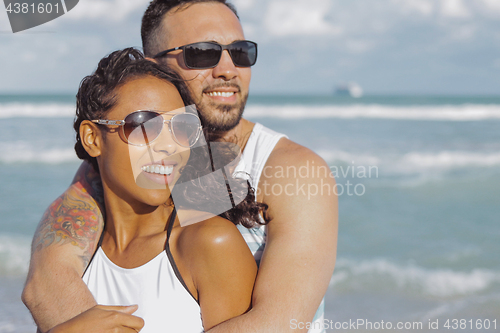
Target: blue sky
(305,46)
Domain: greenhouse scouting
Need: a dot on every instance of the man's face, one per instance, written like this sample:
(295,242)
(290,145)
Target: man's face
(220,93)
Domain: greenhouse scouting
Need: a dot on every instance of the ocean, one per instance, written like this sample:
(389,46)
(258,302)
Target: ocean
(419,196)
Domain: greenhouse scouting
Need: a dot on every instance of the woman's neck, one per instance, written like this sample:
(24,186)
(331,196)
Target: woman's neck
(128,220)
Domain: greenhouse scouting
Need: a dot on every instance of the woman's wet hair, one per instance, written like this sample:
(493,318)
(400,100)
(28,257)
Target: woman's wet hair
(97,93)
(97,96)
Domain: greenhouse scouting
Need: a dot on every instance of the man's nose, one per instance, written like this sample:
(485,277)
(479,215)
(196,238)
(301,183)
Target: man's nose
(225,69)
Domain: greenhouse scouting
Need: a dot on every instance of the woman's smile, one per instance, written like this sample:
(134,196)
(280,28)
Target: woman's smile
(160,172)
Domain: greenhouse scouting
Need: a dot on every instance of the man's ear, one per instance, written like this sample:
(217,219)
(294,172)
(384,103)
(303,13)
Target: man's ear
(91,138)
(151,59)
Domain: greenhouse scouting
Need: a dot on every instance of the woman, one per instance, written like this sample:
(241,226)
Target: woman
(132,125)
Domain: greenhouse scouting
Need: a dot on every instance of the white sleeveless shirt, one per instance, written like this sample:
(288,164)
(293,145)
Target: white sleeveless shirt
(259,147)
(164,302)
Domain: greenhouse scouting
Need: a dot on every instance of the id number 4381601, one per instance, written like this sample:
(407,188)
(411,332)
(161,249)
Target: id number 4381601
(471,324)
(26,8)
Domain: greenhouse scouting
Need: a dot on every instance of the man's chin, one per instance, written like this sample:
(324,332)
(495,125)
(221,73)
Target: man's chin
(226,116)
(224,121)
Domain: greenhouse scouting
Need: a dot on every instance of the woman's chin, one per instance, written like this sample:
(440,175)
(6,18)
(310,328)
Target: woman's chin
(155,197)
(152,181)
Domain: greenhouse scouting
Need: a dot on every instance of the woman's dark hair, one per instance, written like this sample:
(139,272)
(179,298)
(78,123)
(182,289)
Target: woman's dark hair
(211,185)
(97,96)
(97,93)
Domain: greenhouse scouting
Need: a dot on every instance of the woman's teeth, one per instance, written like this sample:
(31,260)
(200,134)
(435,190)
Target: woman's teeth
(220,93)
(159,169)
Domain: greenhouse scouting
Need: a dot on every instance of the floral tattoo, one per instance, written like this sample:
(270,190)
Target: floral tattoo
(75,217)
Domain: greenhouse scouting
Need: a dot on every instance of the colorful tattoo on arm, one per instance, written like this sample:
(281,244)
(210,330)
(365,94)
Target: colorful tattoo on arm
(90,180)
(74,218)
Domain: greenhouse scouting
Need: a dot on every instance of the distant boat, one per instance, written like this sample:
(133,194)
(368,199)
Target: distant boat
(351,89)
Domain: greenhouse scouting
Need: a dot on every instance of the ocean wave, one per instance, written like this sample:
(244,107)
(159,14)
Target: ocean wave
(23,152)
(414,162)
(345,157)
(466,112)
(14,254)
(450,159)
(382,274)
(49,110)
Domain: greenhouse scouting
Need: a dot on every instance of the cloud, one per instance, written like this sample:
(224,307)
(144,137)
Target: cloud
(242,5)
(493,5)
(114,10)
(422,7)
(385,45)
(359,45)
(4,21)
(454,9)
(299,18)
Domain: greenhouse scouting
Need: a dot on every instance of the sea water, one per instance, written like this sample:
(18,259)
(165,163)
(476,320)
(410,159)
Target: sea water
(419,208)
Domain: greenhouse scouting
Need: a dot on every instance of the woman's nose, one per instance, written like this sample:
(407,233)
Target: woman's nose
(165,141)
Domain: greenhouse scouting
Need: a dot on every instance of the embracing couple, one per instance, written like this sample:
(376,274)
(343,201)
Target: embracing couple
(120,252)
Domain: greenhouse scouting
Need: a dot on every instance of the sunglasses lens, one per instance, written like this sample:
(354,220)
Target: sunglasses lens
(202,55)
(186,129)
(244,54)
(142,127)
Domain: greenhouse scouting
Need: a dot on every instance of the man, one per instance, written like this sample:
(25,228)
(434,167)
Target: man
(300,241)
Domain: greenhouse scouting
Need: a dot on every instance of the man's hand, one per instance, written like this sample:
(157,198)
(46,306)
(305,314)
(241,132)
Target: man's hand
(64,243)
(299,256)
(103,319)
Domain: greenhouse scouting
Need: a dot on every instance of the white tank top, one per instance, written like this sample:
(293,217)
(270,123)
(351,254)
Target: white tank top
(164,302)
(259,147)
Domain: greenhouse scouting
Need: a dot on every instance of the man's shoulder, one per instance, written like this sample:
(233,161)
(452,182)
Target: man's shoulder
(290,169)
(288,153)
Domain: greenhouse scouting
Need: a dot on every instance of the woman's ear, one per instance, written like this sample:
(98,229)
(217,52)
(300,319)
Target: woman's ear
(91,138)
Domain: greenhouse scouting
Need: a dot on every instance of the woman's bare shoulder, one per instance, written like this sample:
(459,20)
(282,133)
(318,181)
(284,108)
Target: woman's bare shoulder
(209,236)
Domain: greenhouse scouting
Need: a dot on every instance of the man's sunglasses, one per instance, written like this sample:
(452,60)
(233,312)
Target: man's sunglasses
(204,55)
(143,127)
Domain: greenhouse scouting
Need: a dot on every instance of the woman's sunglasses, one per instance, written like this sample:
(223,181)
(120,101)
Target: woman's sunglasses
(203,55)
(141,128)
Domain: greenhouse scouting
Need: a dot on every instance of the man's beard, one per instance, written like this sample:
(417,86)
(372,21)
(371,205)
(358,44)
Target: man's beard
(217,118)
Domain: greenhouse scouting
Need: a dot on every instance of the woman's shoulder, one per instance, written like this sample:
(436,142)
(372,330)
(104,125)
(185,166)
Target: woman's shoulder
(210,236)
(215,253)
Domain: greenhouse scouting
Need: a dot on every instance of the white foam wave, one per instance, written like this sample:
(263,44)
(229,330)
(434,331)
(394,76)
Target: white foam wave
(414,162)
(14,110)
(466,112)
(348,158)
(450,159)
(14,254)
(384,274)
(22,152)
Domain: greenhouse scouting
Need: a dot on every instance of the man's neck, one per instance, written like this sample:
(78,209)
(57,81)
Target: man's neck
(239,134)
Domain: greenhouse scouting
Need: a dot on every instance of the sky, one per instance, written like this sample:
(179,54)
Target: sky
(449,47)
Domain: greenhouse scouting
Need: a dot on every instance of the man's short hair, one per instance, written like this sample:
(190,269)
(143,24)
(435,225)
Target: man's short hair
(153,17)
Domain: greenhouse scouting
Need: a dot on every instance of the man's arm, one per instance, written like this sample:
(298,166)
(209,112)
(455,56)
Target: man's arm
(62,247)
(300,252)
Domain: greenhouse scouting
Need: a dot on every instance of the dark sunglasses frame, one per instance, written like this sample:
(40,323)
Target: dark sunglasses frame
(227,47)
(122,124)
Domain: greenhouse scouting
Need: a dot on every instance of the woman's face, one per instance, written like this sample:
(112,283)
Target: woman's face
(144,173)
